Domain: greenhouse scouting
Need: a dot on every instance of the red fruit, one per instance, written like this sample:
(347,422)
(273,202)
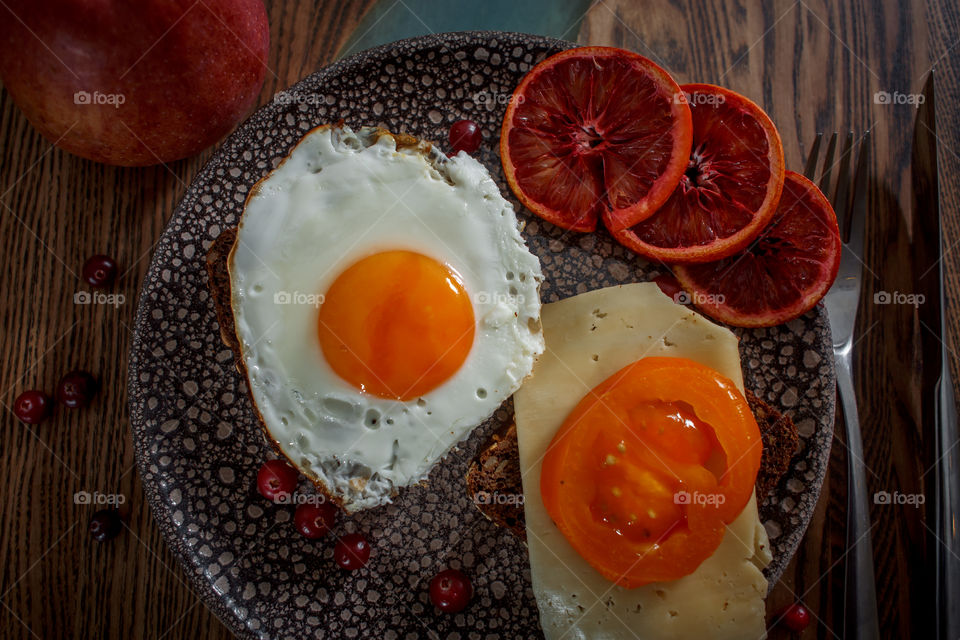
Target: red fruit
(315,520)
(450,591)
(276,480)
(33,406)
(782,274)
(133,83)
(76,389)
(465,136)
(352,551)
(796,617)
(105,525)
(99,271)
(729,191)
(595,132)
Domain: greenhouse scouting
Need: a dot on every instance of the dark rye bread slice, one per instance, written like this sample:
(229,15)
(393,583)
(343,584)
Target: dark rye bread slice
(218,278)
(780,443)
(494,481)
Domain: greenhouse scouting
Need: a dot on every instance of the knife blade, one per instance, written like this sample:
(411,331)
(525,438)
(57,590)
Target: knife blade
(938,404)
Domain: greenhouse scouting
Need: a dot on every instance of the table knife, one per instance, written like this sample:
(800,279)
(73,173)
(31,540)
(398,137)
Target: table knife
(938,404)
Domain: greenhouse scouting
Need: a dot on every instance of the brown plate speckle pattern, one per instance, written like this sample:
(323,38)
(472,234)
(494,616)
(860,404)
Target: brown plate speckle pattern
(198,447)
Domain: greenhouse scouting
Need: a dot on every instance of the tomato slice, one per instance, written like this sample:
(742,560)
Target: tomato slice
(649,467)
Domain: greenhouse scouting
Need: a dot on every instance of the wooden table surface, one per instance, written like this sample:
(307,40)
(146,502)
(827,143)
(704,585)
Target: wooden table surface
(813,65)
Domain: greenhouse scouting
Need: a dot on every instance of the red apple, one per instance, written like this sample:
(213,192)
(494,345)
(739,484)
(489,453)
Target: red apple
(133,82)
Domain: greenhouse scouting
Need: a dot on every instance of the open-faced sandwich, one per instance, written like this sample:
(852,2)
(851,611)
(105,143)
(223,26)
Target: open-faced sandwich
(639,456)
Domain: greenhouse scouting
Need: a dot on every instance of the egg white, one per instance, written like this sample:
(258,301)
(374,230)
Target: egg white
(341,196)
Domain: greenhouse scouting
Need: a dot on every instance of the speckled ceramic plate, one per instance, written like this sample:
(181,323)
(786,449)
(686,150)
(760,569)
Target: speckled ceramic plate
(198,446)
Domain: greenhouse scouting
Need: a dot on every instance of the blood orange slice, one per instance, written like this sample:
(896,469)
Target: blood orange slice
(783,274)
(592,132)
(730,189)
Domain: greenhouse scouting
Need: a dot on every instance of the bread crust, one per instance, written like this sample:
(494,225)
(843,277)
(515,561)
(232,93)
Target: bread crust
(780,443)
(495,473)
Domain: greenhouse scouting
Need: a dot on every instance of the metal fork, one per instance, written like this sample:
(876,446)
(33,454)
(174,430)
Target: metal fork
(860,612)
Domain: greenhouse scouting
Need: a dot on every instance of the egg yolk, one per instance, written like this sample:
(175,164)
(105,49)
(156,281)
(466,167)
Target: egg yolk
(396,324)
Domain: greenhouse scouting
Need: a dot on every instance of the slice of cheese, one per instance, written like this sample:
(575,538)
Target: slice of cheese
(589,337)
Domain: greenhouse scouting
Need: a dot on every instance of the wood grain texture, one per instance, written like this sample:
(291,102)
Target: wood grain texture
(815,66)
(55,211)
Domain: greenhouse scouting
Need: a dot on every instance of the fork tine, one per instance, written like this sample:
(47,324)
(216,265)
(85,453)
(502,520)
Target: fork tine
(811,169)
(828,164)
(859,206)
(841,197)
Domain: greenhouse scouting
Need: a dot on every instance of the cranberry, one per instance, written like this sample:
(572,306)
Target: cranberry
(465,136)
(450,590)
(796,617)
(33,406)
(315,520)
(76,389)
(276,480)
(99,271)
(105,525)
(352,551)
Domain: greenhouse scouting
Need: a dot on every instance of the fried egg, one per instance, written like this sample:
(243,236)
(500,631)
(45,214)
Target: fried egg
(385,304)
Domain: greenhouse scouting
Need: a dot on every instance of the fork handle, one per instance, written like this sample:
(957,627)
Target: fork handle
(860,612)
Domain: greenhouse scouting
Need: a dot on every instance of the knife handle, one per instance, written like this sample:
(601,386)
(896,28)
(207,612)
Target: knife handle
(860,613)
(947,508)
